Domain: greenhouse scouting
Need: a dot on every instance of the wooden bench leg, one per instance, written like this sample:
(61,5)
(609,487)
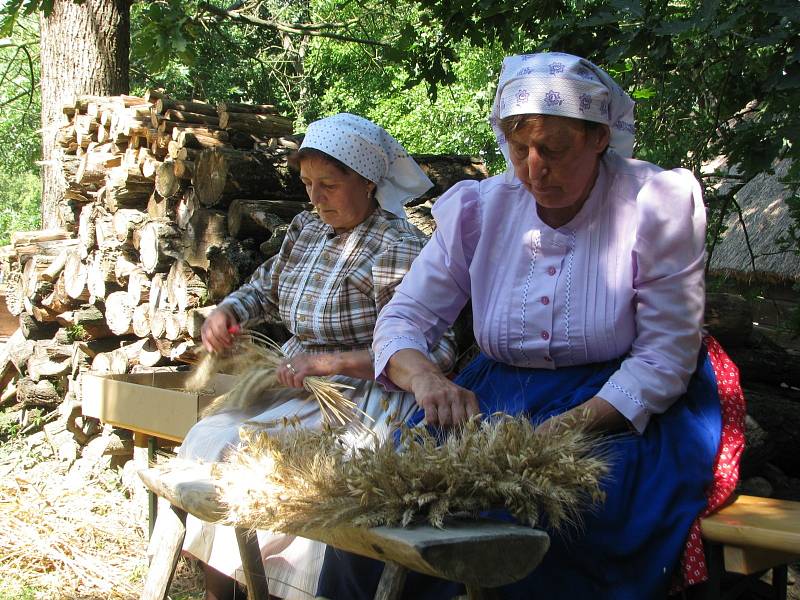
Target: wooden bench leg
(390,586)
(167,541)
(780,580)
(253,566)
(478,593)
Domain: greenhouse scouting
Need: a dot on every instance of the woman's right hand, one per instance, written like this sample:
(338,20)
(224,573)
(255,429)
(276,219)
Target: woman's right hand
(216,330)
(444,402)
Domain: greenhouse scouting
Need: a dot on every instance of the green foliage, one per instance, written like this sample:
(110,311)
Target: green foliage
(20,201)
(13,11)
(343,78)
(76,333)
(711,77)
(20,146)
(12,590)
(9,428)
(175,48)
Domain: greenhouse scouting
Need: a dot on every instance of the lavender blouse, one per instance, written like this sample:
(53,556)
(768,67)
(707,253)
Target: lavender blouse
(623,278)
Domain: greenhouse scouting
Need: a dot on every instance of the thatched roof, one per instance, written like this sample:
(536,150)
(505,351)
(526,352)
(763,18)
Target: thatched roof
(766,217)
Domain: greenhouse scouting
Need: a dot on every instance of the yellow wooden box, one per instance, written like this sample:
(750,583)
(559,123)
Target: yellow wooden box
(155,404)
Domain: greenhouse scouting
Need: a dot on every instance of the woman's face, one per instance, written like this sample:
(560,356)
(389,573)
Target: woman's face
(343,200)
(556,159)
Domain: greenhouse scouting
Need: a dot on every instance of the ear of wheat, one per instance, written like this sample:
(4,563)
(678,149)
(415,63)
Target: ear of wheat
(256,358)
(308,479)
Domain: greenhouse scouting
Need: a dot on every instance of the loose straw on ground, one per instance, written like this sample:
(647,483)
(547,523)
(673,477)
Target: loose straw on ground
(256,358)
(68,534)
(306,479)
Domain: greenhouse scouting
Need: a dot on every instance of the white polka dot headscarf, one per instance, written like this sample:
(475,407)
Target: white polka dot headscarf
(372,153)
(554,83)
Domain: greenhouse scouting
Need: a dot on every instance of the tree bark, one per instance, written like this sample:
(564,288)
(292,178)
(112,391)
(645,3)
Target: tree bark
(75,276)
(88,321)
(252,219)
(186,285)
(222,175)
(84,50)
(33,330)
(37,394)
(159,245)
(204,229)
(446,170)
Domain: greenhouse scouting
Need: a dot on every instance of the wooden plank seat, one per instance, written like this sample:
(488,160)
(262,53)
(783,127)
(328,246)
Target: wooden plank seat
(481,554)
(748,537)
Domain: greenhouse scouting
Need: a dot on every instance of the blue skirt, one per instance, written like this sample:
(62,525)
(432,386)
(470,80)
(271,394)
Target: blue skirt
(628,548)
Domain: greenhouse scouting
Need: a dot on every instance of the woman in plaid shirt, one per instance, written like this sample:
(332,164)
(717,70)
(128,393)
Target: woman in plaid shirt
(336,269)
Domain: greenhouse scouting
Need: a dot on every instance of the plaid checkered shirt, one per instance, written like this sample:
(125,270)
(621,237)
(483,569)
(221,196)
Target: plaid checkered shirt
(328,289)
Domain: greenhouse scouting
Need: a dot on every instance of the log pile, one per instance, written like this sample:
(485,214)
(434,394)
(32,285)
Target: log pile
(169,206)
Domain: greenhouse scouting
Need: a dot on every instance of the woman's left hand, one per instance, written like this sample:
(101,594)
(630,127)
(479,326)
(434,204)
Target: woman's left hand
(292,372)
(596,414)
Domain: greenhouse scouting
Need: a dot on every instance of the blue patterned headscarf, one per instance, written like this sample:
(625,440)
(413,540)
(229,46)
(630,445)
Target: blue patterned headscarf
(560,84)
(373,153)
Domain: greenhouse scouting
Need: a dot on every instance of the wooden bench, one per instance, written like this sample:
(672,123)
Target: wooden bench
(748,537)
(480,554)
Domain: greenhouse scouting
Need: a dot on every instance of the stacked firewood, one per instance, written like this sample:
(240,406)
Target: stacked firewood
(169,206)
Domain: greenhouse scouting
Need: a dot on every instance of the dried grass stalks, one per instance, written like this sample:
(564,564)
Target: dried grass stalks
(68,541)
(307,479)
(256,358)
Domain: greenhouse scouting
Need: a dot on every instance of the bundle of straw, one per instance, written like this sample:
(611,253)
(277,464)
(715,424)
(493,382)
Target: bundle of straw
(307,479)
(256,358)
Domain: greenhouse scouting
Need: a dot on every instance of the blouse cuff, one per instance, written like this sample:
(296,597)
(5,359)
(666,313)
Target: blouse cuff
(630,406)
(236,308)
(389,349)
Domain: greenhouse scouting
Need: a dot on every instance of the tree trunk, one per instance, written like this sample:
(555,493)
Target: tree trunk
(229,264)
(84,50)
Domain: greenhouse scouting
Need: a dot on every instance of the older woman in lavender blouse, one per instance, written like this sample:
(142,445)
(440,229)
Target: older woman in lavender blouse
(585,272)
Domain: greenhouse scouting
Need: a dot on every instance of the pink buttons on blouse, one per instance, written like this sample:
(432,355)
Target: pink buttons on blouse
(545,335)
(545,300)
(551,270)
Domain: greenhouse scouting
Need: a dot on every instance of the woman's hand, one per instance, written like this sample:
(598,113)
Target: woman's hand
(292,372)
(216,330)
(444,402)
(596,414)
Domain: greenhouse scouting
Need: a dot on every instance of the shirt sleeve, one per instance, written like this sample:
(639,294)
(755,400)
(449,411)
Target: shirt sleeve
(436,287)
(669,258)
(257,300)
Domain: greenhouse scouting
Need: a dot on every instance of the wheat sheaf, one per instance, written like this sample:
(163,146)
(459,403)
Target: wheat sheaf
(255,358)
(309,479)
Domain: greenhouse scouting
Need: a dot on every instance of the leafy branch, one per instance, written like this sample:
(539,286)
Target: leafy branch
(312,29)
